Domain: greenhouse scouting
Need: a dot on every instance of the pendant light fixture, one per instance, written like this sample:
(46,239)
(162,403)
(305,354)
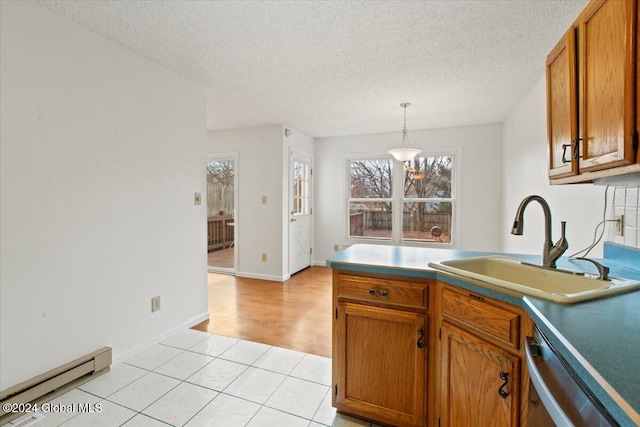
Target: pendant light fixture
(404,153)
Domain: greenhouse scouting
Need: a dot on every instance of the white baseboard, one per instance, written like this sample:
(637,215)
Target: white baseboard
(263,276)
(122,356)
(320,263)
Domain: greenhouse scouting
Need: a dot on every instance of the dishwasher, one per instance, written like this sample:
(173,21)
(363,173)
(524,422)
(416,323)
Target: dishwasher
(557,397)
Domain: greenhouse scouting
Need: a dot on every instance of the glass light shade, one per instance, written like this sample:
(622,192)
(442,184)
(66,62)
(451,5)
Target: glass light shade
(404,154)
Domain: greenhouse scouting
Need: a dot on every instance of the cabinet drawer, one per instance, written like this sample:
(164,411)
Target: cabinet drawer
(482,315)
(382,291)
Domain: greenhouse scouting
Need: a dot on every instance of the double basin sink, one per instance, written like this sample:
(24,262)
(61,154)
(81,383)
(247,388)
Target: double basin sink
(551,284)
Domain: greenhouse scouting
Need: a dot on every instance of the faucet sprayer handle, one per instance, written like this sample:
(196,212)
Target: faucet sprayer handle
(603,270)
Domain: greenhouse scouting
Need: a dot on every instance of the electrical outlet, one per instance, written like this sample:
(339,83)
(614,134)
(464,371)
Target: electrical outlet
(619,225)
(264,200)
(264,257)
(336,248)
(155,303)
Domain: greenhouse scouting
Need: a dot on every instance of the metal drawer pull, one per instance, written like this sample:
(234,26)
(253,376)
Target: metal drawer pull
(477,297)
(503,376)
(382,293)
(420,344)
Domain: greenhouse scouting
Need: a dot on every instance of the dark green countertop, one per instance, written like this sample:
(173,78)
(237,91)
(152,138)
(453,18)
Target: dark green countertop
(600,339)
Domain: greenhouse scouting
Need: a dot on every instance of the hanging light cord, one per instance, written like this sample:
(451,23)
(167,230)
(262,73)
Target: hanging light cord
(405,138)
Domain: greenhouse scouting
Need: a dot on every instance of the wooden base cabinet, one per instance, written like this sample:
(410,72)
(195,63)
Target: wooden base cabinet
(481,374)
(383,364)
(412,352)
(380,349)
(478,382)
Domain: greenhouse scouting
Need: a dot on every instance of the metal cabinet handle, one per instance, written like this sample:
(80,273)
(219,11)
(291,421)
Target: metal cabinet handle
(564,153)
(382,293)
(420,344)
(575,152)
(505,377)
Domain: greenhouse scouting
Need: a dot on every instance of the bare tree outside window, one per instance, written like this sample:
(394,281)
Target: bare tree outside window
(370,203)
(427,202)
(220,187)
(427,199)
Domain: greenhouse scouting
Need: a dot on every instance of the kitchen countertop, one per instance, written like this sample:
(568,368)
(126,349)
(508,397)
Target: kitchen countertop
(600,339)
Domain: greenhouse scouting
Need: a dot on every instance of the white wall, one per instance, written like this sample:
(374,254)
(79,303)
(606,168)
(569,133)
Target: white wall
(259,169)
(102,151)
(524,172)
(263,170)
(479,193)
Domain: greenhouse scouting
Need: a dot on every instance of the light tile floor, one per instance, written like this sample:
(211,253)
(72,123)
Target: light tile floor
(199,379)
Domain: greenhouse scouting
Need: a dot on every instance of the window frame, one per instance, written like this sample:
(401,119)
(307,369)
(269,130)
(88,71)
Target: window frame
(369,156)
(397,199)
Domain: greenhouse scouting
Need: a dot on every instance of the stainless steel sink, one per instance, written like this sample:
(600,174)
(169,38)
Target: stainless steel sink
(552,284)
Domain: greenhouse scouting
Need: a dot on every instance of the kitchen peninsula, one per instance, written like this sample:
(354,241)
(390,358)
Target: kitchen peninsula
(377,289)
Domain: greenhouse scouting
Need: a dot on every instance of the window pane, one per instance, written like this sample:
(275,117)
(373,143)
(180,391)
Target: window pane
(300,188)
(371,178)
(428,177)
(370,220)
(427,221)
(220,187)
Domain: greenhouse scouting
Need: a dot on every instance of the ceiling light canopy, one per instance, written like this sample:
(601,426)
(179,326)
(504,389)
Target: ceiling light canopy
(404,153)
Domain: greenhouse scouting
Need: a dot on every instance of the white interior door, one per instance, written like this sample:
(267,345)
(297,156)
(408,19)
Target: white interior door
(299,212)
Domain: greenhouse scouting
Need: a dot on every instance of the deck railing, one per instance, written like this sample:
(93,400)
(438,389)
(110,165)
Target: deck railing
(220,231)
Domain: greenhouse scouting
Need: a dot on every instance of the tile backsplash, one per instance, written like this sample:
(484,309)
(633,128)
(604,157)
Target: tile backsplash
(626,202)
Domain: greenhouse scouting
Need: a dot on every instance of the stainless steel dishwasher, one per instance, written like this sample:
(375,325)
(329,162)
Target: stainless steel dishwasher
(557,397)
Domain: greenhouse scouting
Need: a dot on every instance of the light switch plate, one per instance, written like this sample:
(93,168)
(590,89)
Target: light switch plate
(155,303)
(197,199)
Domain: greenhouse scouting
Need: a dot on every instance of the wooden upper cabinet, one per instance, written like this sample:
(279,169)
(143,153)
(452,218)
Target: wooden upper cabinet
(592,97)
(562,106)
(607,65)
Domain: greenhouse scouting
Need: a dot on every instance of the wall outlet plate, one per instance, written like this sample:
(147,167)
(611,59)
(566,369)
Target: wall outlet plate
(264,257)
(619,225)
(155,304)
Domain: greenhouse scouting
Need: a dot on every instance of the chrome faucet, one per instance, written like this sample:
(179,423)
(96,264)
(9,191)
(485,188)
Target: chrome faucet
(550,252)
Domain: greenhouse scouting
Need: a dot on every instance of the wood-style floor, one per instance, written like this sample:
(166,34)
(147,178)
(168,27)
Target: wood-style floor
(294,314)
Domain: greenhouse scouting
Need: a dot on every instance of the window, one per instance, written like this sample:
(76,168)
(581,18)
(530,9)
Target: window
(427,202)
(301,177)
(370,202)
(412,203)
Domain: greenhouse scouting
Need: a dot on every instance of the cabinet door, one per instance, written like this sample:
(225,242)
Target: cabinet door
(607,42)
(382,364)
(473,374)
(562,107)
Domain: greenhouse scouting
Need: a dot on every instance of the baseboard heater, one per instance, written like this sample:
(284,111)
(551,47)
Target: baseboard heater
(55,382)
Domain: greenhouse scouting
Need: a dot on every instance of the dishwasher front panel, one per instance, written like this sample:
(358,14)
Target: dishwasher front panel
(557,397)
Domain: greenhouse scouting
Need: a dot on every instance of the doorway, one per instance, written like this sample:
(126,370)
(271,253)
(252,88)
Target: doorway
(222,227)
(300,211)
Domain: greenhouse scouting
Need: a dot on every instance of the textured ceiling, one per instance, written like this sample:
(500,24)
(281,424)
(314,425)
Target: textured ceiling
(331,68)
